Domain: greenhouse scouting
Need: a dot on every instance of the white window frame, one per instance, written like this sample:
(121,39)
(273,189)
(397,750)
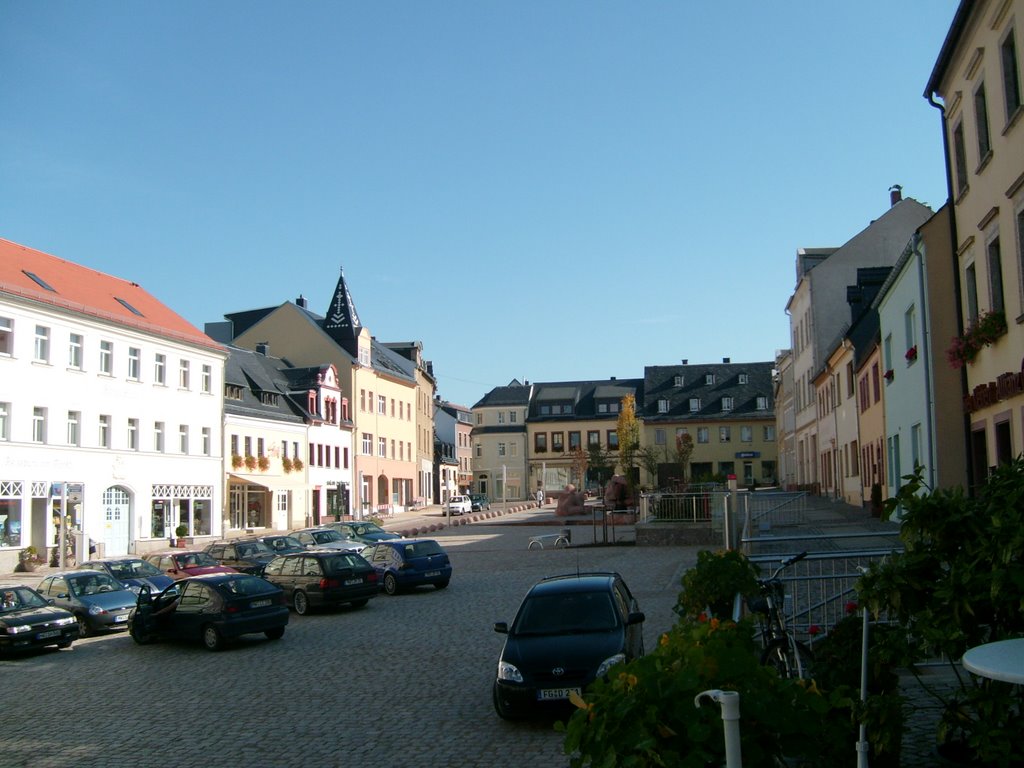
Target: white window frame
(184,373)
(104,433)
(134,363)
(663,405)
(38,424)
(41,352)
(160,369)
(6,337)
(106,358)
(133,434)
(74,432)
(5,421)
(76,343)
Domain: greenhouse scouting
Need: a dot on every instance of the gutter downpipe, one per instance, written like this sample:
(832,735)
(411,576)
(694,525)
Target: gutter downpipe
(953,241)
(926,357)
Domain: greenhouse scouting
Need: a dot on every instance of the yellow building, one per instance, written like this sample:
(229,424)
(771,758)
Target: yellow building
(976,85)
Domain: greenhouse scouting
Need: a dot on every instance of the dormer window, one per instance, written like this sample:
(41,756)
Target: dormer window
(678,381)
(663,405)
(694,404)
(744,378)
(727,404)
(232,392)
(709,379)
(762,403)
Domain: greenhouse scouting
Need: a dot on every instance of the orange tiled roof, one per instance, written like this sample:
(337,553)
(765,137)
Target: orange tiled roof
(80,289)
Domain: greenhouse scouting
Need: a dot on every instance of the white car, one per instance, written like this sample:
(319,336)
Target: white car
(460,505)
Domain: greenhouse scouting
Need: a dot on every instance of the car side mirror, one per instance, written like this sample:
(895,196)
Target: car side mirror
(51,601)
(501,627)
(64,596)
(636,617)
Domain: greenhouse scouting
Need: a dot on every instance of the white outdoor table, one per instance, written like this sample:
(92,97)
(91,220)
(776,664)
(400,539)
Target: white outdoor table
(1002,660)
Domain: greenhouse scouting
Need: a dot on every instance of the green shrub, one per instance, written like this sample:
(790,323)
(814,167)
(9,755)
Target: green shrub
(713,583)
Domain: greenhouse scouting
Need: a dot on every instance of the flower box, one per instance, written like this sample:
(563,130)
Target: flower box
(985,330)
(890,374)
(911,354)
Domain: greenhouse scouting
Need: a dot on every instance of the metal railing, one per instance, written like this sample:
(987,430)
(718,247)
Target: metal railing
(689,507)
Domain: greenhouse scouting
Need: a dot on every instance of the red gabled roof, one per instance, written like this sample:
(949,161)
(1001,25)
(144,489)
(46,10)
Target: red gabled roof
(88,292)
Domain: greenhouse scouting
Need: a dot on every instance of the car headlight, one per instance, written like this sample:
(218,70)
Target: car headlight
(508,672)
(610,662)
(17,629)
(95,610)
(64,621)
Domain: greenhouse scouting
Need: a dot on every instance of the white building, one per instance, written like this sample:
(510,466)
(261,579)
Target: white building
(110,412)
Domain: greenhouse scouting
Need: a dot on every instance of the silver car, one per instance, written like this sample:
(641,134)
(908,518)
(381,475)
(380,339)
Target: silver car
(98,601)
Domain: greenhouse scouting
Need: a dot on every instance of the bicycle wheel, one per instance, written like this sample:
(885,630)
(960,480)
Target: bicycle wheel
(790,660)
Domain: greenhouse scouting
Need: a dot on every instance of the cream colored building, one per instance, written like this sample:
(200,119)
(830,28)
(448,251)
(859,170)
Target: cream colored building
(499,443)
(871,420)
(976,84)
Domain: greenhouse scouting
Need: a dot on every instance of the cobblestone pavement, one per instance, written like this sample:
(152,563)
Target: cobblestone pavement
(405,680)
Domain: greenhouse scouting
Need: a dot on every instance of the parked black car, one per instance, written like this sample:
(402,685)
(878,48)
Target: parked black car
(569,631)
(282,544)
(213,608)
(244,555)
(323,578)
(406,563)
(97,600)
(28,620)
(366,533)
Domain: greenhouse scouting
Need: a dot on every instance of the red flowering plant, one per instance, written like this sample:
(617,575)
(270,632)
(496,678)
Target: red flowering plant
(984,331)
(889,374)
(911,354)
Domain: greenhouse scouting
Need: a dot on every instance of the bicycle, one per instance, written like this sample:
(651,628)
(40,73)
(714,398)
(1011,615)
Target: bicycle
(781,650)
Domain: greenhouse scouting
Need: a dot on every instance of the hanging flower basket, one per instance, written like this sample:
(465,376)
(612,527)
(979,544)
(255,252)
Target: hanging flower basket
(890,374)
(286,464)
(250,463)
(236,461)
(981,333)
(911,354)
(264,463)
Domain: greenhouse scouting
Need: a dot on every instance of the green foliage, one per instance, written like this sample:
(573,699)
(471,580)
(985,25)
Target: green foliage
(684,450)
(960,583)
(643,714)
(600,464)
(712,584)
(650,460)
(628,430)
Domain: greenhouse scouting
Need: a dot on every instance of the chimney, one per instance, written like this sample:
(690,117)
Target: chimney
(895,194)
(726,360)
(686,361)
(301,301)
(262,348)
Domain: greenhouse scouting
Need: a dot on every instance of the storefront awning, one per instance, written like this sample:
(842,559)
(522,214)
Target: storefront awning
(235,479)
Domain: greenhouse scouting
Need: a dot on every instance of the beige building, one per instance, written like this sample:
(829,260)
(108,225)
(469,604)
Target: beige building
(499,442)
(976,84)
(871,420)
(426,389)
(379,383)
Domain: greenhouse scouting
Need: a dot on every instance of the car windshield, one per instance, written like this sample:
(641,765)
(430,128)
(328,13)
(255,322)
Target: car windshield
(244,586)
(566,613)
(363,528)
(17,598)
(133,569)
(422,548)
(284,542)
(92,584)
(253,549)
(195,560)
(325,537)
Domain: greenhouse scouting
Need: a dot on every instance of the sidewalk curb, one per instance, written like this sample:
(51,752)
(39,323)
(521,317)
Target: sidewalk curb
(475,517)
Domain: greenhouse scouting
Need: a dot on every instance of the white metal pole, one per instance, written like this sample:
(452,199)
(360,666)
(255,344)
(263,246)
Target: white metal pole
(862,743)
(730,704)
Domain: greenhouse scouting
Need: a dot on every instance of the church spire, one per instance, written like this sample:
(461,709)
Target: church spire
(342,321)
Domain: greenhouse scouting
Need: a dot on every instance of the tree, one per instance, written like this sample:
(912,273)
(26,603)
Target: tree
(600,464)
(628,431)
(580,460)
(684,450)
(650,461)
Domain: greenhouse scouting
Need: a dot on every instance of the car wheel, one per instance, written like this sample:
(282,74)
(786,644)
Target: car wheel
(275,634)
(212,639)
(64,644)
(359,603)
(499,706)
(139,635)
(301,602)
(84,630)
(441,585)
(390,583)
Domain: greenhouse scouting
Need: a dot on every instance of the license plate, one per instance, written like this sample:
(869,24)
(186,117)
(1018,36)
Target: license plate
(548,694)
(49,633)
(260,603)
(350,582)
(432,573)
(122,617)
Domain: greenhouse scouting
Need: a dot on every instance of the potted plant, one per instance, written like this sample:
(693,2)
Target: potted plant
(286,465)
(250,463)
(911,354)
(29,559)
(890,374)
(180,533)
(264,463)
(236,461)
(712,584)
(297,465)
(986,328)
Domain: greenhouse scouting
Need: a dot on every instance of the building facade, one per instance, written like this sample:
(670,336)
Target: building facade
(499,442)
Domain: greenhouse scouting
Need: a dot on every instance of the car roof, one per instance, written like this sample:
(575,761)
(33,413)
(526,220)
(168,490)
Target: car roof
(575,582)
(115,558)
(218,577)
(81,572)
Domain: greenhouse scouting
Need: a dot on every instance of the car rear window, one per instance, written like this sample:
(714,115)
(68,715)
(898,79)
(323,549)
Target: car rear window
(244,586)
(422,548)
(340,562)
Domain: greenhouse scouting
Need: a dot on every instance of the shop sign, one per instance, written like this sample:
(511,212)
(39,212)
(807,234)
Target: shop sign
(1006,386)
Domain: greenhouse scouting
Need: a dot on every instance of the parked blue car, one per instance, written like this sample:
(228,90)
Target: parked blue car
(132,572)
(407,563)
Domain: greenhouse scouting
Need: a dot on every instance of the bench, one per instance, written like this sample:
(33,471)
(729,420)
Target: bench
(555,540)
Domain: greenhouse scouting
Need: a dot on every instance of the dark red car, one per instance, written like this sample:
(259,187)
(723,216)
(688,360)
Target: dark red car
(181,565)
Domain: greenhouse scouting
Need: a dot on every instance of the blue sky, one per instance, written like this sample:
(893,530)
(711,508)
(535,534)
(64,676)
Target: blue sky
(539,190)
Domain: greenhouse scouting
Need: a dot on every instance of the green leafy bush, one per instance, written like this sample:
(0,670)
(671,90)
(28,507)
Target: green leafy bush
(714,582)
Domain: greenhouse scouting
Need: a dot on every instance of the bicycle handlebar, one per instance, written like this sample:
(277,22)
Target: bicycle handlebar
(794,559)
